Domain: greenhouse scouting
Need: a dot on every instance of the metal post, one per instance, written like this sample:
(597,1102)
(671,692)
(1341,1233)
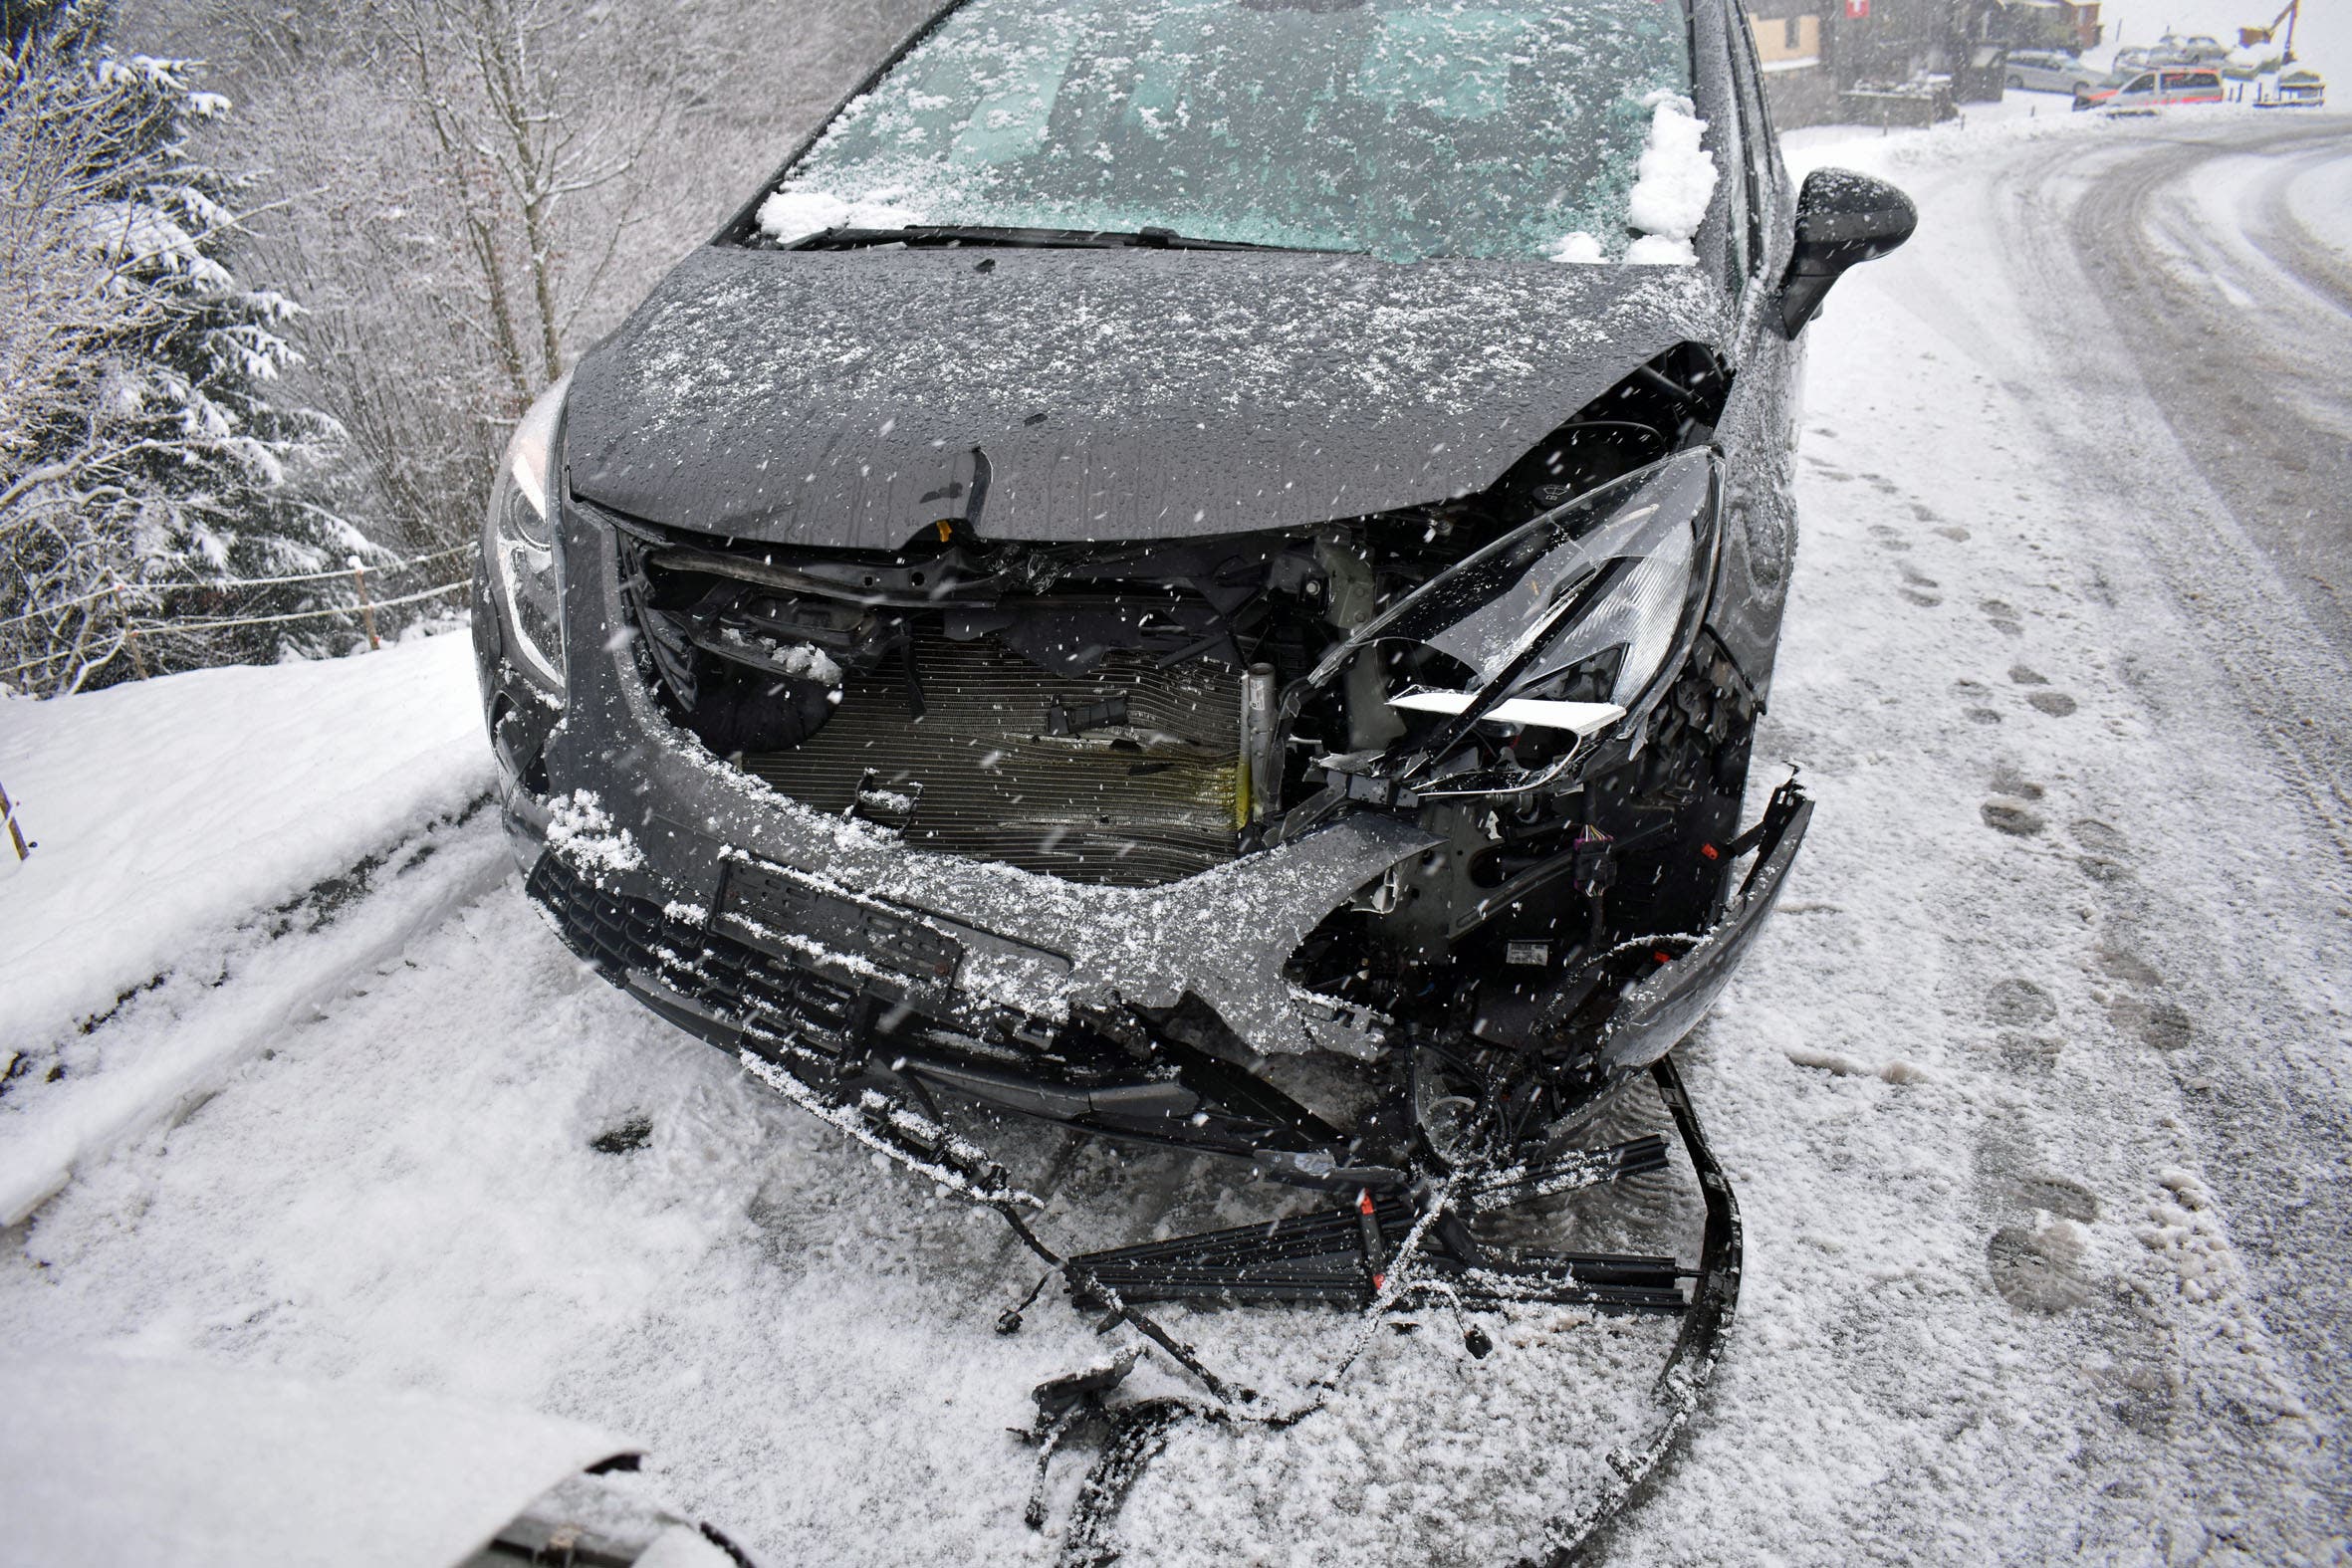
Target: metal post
(366,610)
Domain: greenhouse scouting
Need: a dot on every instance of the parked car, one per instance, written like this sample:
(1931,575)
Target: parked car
(2296,87)
(2197,48)
(2171,50)
(1170,545)
(2049,71)
(2149,91)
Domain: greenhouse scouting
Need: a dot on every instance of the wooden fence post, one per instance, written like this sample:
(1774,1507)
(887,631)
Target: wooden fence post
(139,655)
(366,610)
(16,833)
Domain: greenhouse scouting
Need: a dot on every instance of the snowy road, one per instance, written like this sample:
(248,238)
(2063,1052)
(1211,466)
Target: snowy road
(2036,1094)
(2091,748)
(2223,256)
(2224,265)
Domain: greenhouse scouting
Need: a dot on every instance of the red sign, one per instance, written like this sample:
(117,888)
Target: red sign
(1857,10)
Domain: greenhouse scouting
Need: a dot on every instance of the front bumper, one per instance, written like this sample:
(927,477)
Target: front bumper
(739,913)
(641,813)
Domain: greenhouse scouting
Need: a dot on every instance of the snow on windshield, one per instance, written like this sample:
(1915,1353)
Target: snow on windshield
(1405,129)
(1669,201)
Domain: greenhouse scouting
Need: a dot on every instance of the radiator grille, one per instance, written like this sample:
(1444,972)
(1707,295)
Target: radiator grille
(1134,804)
(614,933)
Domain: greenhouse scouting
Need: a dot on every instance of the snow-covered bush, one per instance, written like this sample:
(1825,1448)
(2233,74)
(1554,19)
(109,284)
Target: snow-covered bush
(140,444)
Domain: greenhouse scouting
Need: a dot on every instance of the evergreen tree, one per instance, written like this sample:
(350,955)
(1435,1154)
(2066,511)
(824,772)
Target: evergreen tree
(141,453)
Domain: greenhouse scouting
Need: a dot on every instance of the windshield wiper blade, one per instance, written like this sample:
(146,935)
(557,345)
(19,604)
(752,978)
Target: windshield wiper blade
(944,235)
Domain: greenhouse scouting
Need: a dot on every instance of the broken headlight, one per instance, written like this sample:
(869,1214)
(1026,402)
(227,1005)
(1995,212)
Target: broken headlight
(518,543)
(1574,622)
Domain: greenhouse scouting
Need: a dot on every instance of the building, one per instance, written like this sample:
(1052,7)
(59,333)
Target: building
(1832,60)
(1792,44)
(2050,24)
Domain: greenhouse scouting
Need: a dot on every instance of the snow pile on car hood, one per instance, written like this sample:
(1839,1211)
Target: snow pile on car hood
(790,216)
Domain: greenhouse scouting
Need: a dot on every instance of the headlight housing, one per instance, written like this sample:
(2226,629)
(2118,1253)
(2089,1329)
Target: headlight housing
(519,545)
(1575,621)
(1630,576)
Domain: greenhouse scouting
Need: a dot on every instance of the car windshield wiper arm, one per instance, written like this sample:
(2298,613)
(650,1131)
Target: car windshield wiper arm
(958,234)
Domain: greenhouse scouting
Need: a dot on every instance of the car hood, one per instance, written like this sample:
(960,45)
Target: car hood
(851,398)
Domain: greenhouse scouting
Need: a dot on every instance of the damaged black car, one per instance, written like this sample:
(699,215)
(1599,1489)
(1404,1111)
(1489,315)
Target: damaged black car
(1200,569)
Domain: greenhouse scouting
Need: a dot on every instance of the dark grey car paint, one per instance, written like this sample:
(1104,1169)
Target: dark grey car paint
(851,398)
(1105,395)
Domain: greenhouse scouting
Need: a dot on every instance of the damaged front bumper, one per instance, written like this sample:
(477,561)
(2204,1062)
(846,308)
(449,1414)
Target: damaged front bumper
(762,923)
(636,808)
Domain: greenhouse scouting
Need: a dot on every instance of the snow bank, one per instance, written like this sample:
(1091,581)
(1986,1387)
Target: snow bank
(168,810)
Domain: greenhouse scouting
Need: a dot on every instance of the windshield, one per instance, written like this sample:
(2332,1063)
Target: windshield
(1406,128)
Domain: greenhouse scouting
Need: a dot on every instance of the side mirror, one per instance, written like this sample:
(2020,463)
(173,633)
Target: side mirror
(1842,218)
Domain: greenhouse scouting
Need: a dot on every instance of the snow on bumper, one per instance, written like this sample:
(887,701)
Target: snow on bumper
(953,938)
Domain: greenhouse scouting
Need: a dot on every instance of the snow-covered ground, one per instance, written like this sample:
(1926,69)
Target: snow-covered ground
(2035,1094)
(182,828)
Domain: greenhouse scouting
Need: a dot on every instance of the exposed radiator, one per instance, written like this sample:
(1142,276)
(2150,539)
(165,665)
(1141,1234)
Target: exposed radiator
(1135,802)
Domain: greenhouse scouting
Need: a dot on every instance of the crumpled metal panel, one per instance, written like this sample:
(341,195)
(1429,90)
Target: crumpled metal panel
(851,398)
(1655,1014)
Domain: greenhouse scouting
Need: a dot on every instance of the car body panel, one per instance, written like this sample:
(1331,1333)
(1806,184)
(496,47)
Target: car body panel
(2046,70)
(1036,945)
(146,1461)
(2159,87)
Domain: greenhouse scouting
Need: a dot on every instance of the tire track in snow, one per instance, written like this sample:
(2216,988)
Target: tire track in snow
(2281,233)
(2224,385)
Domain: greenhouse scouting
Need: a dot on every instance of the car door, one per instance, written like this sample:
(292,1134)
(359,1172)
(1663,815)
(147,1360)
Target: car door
(2139,92)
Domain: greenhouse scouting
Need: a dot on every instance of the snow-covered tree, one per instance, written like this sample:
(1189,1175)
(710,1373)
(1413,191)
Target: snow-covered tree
(140,447)
(479,189)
